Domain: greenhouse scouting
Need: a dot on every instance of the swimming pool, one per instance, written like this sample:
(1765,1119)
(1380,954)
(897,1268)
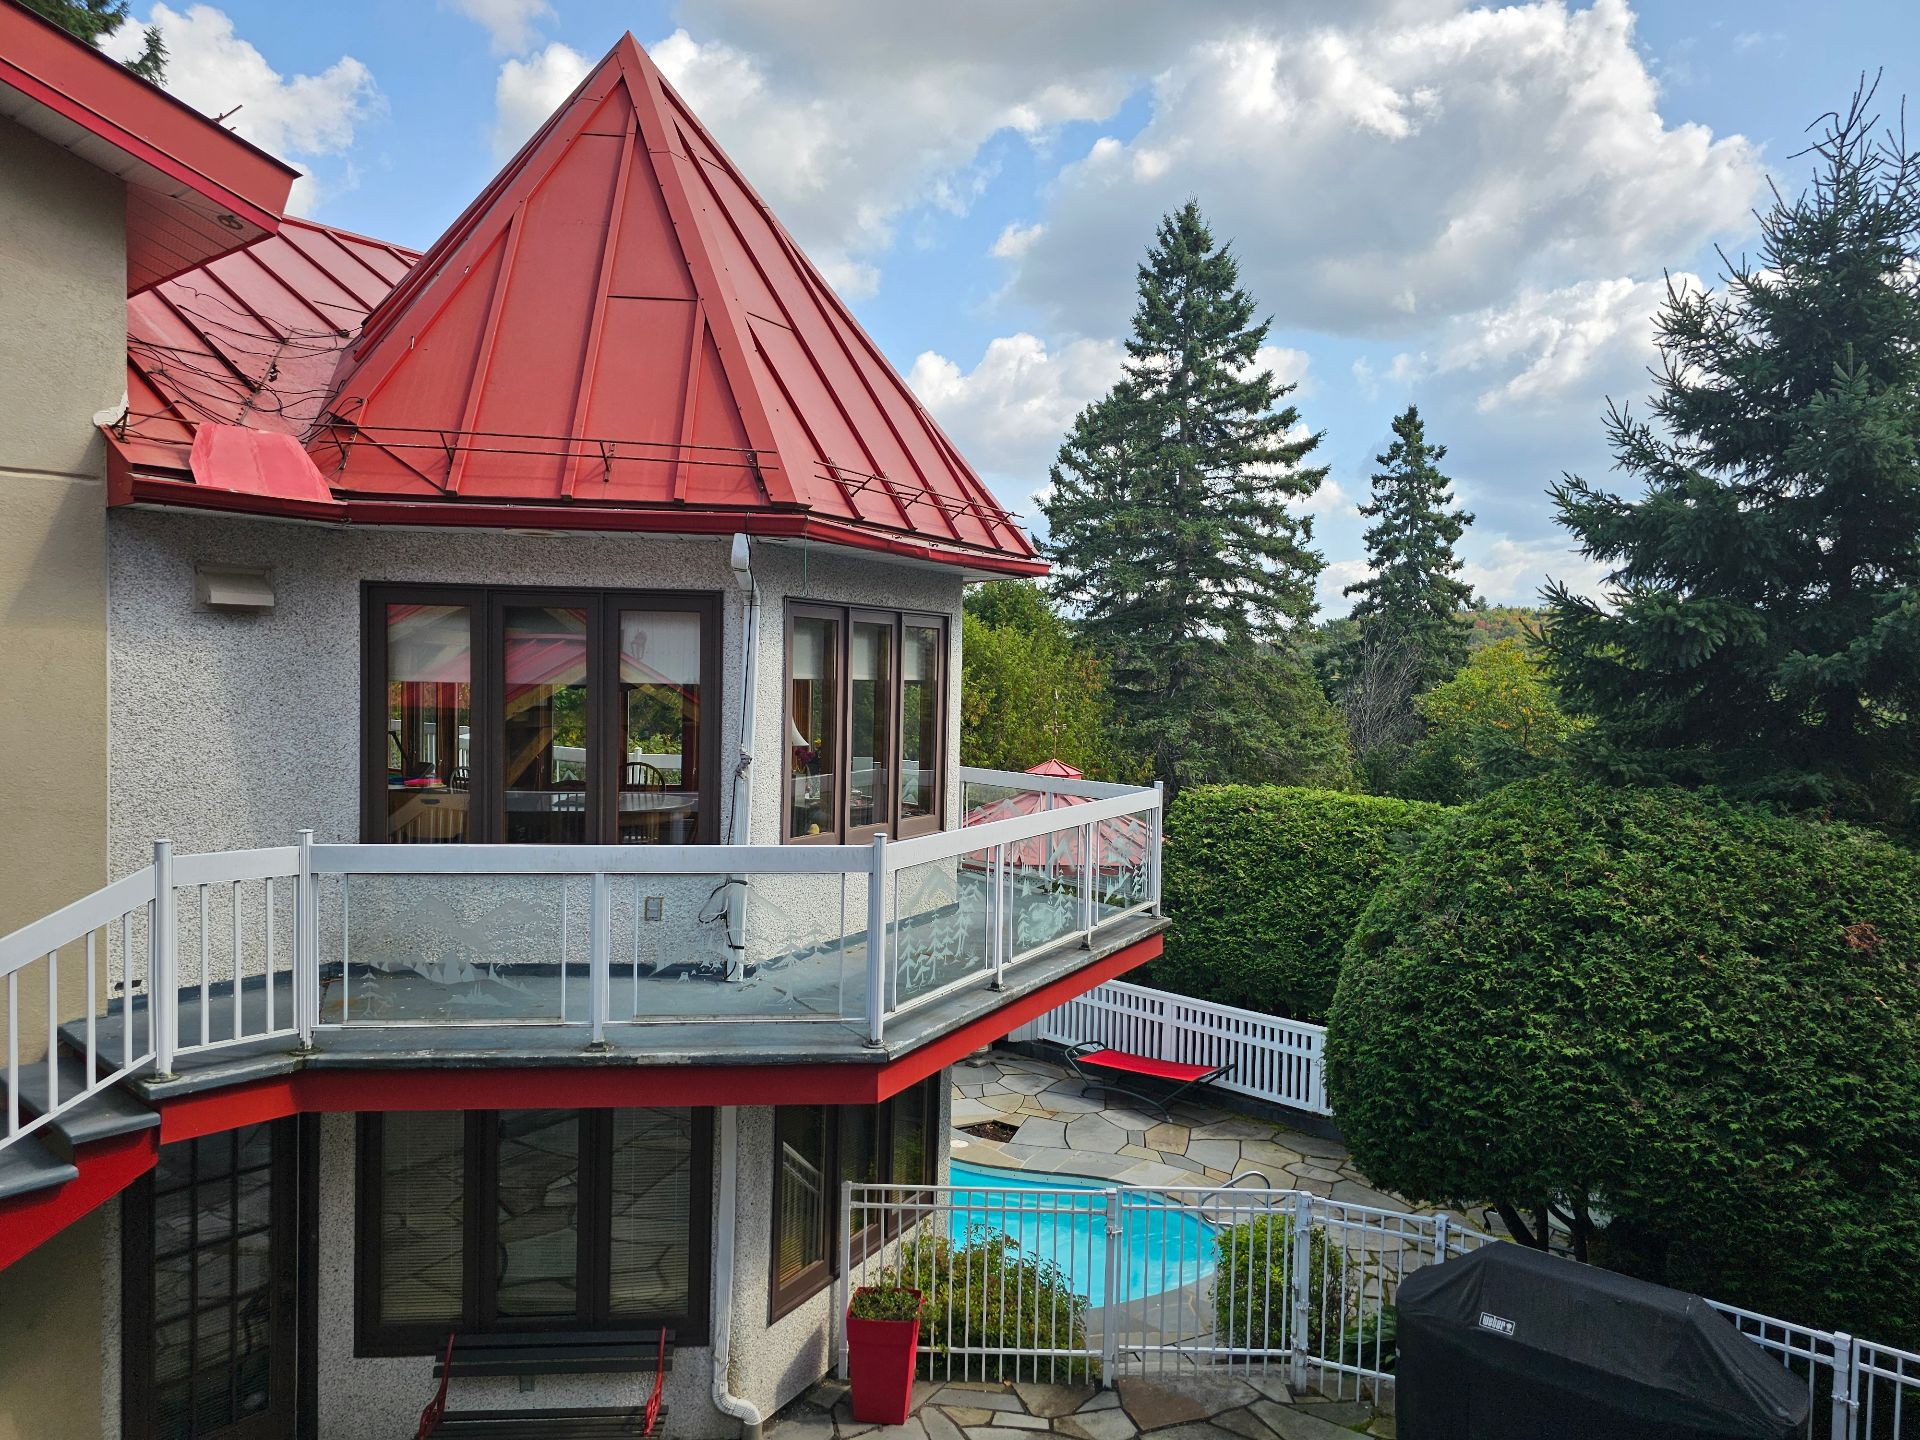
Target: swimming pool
(1167,1245)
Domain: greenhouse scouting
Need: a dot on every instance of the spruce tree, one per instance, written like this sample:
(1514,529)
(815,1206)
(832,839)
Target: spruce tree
(1413,592)
(1408,630)
(1171,536)
(93,20)
(1763,634)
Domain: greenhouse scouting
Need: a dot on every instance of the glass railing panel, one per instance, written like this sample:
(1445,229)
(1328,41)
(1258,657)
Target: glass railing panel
(756,947)
(1123,848)
(939,924)
(1043,890)
(453,949)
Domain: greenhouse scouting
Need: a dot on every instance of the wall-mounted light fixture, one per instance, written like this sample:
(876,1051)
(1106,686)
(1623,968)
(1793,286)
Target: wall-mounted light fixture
(233,587)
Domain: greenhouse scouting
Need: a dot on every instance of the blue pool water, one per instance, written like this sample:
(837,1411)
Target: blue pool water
(1167,1245)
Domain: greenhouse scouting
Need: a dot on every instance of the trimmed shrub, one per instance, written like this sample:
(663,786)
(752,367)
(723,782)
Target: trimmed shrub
(1264,884)
(989,1293)
(1253,1290)
(1689,1027)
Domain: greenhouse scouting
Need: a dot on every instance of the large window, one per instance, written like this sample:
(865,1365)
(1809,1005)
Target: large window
(541,717)
(865,723)
(527,1220)
(816,1147)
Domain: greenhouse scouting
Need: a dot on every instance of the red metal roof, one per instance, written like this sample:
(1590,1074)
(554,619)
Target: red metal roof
(616,334)
(194,190)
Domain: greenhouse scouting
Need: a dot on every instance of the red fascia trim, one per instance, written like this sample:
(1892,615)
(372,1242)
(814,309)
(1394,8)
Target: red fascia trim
(150,490)
(82,85)
(106,1168)
(153,490)
(956,1045)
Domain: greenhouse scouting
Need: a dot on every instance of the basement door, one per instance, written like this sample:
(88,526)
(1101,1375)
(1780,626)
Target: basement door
(209,1289)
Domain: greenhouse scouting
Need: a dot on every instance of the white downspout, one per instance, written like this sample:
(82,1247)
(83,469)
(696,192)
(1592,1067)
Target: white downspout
(724,1400)
(728,1177)
(738,825)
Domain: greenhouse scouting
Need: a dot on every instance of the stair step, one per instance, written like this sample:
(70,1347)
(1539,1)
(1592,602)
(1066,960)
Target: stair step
(29,1165)
(111,1112)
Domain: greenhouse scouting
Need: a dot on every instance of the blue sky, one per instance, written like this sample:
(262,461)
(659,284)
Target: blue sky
(1467,207)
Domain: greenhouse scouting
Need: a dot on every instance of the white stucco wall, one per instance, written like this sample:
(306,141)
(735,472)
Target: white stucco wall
(236,731)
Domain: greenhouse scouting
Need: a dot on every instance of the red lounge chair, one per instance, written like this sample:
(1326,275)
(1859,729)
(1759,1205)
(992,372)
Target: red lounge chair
(1183,1077)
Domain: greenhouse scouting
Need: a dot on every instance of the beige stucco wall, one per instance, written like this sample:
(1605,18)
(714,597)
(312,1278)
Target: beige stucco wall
(63,326)
(62,359)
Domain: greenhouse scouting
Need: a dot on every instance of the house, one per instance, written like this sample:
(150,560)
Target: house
(485,854)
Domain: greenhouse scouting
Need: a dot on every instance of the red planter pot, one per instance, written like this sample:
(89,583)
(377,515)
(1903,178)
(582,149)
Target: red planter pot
(881,1356)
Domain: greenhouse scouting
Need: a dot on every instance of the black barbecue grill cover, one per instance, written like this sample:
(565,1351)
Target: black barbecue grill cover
(1511,1344)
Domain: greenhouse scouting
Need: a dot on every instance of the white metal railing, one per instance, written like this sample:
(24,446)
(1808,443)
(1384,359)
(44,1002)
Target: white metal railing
(1075,1280)
(1273,1059)
(199,952)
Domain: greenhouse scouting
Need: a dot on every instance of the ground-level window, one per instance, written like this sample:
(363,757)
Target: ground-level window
(816,1147)
(208,1263)
(865,722)
(541,717)
(525,1220)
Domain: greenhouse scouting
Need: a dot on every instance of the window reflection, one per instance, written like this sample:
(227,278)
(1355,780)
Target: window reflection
(659,727)
(919,721)
(429,722)
(811,726)
(539,1213)
(545,755)
(871,673)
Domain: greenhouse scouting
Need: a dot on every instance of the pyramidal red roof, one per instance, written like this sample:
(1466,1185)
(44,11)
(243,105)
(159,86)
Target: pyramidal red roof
(616,334)
(619,320)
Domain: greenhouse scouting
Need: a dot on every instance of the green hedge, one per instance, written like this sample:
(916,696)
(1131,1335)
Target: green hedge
(1694,1023)
(1264,884)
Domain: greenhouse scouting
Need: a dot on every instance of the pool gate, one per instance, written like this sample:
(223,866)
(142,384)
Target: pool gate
(1057,1281)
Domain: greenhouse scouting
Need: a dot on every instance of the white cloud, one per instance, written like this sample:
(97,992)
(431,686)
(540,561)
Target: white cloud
(528,91)
(1330,588)
(298,118)
(1016,240)
(1287,366)
(1510,572)
(1328,498)
(847,113)
(1399,170)
(510,24)
(1553,347)
(1010,412)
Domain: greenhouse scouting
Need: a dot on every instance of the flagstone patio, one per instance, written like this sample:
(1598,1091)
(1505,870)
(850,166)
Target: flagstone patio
(1253,1406)
(1062,1126)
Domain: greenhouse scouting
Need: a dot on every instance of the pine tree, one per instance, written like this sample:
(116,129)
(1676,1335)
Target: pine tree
(1413,593)
(1764,631)
(93,20)
(1170,532)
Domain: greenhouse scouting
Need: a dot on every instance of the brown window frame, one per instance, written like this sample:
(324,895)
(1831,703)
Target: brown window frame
(891,823)
(486,606)
(784,1296)
(374,1337)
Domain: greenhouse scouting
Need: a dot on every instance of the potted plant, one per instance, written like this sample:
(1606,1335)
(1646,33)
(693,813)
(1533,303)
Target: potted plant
(883,1334)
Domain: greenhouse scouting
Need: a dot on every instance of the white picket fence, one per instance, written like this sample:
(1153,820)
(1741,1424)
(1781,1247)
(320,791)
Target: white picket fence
(1271,1058)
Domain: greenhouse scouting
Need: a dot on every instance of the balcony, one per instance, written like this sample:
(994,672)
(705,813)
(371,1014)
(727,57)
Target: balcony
(204,969)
